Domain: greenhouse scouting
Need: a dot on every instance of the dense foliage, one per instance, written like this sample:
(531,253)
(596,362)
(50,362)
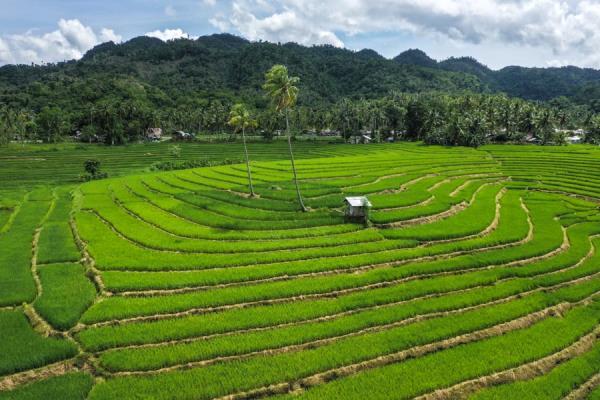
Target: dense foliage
(116,92)
(438,118)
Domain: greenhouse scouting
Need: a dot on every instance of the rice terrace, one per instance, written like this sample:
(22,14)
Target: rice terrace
(476,277)
(281,213)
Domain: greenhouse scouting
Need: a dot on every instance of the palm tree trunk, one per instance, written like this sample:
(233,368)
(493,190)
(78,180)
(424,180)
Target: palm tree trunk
(289,138)
(247,161)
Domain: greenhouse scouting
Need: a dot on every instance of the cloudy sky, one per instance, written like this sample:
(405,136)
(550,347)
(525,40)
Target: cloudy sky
(497,32)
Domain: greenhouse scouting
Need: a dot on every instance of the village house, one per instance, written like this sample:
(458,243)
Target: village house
(154,134)
(181,135)
(574,139)
(357,208)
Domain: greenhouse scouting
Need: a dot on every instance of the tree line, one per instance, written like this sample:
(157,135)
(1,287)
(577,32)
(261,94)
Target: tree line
(465,119)
(116,91)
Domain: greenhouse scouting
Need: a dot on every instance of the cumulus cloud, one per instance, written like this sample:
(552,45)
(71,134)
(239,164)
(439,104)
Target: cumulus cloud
(108,35)
(70,41)
(220,22)
(6,56)
(287,25)
(563,26)
(76,34)
(168,34)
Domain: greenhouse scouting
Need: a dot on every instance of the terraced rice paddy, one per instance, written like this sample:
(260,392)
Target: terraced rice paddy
(478,277)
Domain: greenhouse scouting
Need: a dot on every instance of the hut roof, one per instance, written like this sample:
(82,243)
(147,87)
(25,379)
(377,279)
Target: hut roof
(358,201)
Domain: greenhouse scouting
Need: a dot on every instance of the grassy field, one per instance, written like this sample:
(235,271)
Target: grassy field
(478,275)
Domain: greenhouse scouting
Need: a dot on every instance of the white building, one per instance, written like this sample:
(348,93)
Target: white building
(357,207)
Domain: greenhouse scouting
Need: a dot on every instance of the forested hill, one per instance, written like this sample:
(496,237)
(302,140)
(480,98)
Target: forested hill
(226,66)
(582,84)
(220,66)
(117,91)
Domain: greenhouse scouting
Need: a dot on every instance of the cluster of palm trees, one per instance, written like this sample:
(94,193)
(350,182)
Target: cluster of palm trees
(593,130)
(467,119)
(437,118)
(111,119)
(283,92)
(460,119)
(15,125)
(209,117)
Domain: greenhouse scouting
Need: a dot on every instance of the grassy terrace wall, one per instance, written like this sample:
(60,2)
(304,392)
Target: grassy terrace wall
(477,276)
(63,163)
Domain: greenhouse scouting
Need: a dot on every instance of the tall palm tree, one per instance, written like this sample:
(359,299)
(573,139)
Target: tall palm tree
(283,92)
(240,119)
(4,126)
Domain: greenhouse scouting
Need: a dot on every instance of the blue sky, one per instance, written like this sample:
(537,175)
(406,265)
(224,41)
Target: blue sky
(129,17)
(497,32)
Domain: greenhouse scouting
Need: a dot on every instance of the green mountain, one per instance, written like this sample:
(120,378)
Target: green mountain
(468,65)
(415,57)
(526,83)
(218,66)
(227,68)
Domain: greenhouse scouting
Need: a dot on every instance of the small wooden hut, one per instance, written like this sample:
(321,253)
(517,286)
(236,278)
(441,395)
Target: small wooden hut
(357,208)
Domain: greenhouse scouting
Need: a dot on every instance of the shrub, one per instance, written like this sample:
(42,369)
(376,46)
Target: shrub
(92,169)
(187,164)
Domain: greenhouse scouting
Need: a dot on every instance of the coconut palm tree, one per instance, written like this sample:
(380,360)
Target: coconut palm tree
(240,119)
(4,126)
(283,92)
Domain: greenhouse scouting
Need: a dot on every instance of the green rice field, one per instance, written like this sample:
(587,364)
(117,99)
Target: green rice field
(476,277)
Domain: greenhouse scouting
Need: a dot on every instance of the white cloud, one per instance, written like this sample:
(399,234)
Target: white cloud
(569,28)
(220,22)
(70,41)
(6,56)
(168,34)
(108,35)
(76,34)
(286,25)
(556,63)
(209,3)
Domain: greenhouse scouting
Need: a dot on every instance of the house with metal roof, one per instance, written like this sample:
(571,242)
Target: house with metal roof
(357,207)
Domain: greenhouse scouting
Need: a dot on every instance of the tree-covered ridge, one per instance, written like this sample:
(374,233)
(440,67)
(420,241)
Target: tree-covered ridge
(527,83)
(224,66)
(117,91)
(416,57)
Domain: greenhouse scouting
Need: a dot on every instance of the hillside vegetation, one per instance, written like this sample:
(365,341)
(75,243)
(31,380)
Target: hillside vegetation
(225,65)
(117,91)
